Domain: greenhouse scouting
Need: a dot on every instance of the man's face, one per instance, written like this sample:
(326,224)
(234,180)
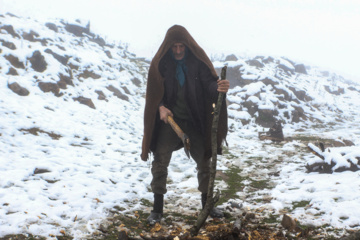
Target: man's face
(178,50)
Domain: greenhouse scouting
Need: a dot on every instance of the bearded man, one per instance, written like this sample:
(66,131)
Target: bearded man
(182,83)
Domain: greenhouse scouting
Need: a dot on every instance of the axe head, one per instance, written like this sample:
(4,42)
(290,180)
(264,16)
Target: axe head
(186,141)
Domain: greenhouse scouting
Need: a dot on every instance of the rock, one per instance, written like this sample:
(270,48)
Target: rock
(15,61)
(89,74)
(86,101)
(268,60)
(63,60)
(40,171)
(231,57)
(286,69)
(266,117)
(50,87)
(255,63)
(117,93)
(101,95)
(99,40)
(297,114)
(108,54)
(52,26)
(16,88)
(300,68)
(12,71)
(77,30)
(268,81)
(136,81)
(10,30)
(300,94)
(9,45)
(337,92)
(38,62)
(64,81)
(31,36)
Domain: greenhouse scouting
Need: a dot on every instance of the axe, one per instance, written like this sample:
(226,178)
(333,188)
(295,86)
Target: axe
(184,138)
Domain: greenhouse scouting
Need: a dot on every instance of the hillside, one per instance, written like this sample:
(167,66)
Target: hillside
(71,108)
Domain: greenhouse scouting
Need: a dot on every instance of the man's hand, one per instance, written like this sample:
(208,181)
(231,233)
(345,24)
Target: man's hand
(223,85)
(164,113)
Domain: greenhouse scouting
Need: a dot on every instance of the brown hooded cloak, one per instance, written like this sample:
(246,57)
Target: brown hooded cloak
(155,92)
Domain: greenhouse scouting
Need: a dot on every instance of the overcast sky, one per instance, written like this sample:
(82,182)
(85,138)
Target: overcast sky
(324,33)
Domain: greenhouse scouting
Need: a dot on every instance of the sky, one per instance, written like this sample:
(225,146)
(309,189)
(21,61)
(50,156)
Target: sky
(324,33)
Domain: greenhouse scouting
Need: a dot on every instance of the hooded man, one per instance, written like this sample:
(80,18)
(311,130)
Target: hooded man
(182,83)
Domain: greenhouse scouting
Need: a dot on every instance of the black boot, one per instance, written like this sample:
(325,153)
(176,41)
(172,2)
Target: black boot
(157,212)
(215,212)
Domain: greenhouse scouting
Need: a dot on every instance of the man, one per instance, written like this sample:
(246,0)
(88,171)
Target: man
(182,83)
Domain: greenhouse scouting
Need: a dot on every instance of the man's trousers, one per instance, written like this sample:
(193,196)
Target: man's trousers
(167,142)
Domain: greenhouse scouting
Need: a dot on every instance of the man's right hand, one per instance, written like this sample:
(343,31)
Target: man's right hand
(164,113)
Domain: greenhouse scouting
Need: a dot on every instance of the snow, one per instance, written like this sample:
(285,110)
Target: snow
(95,164)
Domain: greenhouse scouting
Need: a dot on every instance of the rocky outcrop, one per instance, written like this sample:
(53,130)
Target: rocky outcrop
(19,90)
(38,62)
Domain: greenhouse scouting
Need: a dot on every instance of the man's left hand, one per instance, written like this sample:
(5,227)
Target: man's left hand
(223,85)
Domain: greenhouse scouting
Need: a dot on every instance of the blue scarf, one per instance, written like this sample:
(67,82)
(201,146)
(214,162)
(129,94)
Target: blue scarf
(181,69)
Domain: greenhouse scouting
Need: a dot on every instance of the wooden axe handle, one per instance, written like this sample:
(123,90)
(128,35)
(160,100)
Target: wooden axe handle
(176,127)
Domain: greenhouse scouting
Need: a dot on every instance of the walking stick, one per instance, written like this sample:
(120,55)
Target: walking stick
(210,201)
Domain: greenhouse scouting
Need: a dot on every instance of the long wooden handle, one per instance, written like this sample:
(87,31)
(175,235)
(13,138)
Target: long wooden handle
(176,127)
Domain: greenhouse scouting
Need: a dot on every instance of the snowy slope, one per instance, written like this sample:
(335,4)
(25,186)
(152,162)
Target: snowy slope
(70,144)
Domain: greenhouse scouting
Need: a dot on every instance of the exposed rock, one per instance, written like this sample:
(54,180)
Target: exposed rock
(63,60)
(337,92)
(300,94)
(300,68)
(251,107)
(255,63)
(86,101)
(10,30)
(298,114)
(268,81)
(12,71)
(117,93)
(38,62)
(136,81)
(40,171)
(14,61)
(9,45)
(35,131)
(286,69)
(101,95)
(89,74)
(342,143)
(283,92)
(231,57)
(64,81)
(99,40)
(52,26)
(16,88)
(268,60)
(266,117)
(50,87)
(31,36)
(108,54)
(77,30)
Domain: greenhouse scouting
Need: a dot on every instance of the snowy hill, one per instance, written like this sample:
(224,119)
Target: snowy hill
(71,107)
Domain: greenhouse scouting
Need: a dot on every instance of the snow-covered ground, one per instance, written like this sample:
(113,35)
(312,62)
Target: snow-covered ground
(64,165)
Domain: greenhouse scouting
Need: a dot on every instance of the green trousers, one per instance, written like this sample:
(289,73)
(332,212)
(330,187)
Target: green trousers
(168,142)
